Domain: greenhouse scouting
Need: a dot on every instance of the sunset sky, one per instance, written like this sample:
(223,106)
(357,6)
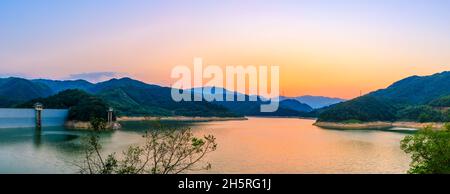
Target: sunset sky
(332,48)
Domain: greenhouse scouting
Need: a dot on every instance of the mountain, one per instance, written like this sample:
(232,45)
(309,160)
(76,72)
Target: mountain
(315,102)
(251,108)
(211,91)
(120,83)
(57,86)
(417,89)
(14,90)
(129,97)
(443,102)
(82,106)
(295,105)
(133,98)
(365,108)
(416,98)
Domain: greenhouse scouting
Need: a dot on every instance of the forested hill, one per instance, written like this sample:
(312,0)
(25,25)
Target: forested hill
(83,106)
(417,89)
(130,97)
(14,90)
(416,98)
(134,98)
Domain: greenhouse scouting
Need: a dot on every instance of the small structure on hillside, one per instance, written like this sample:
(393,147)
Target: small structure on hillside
(38,107)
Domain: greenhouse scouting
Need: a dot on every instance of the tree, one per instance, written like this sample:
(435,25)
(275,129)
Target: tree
(164,152)
(98,124)
(429,150)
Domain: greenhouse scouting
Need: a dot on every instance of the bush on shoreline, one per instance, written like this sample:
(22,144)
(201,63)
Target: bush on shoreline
(429,150)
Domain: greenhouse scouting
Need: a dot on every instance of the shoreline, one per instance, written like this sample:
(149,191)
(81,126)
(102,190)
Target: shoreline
(283,117)
(378,125)
(181,118)
(83,125)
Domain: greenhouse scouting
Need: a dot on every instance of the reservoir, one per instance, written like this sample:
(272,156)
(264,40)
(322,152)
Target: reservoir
(257,145)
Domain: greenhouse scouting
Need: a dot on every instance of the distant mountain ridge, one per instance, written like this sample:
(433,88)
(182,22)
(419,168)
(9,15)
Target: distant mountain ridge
(82,106)
(287,107)
(417,89)
(135,98)
(57,86)
(315,102)
(129,97)
(295,105)
(248,107)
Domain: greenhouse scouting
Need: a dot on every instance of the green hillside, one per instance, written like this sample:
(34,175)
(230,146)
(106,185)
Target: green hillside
(136,100)
(441,102)
(295,105)
(417,89)
(129,97)
(82,106)
(15,90)
(421,99)
(364,108)
(57,86)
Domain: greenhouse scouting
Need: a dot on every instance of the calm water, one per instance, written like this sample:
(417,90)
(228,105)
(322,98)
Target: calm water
(258,145)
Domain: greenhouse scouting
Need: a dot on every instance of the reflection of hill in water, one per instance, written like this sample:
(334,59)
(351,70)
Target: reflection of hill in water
(57,138)
(54,138)
(387,129)
(257,145)
(142,126)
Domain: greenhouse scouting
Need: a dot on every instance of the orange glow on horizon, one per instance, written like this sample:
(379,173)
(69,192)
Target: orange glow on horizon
(322,47)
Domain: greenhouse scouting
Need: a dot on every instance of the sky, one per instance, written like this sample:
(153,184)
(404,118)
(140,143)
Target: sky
(335,48)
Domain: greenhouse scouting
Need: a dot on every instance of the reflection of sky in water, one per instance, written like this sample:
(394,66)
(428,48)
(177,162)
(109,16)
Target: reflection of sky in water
(19,118)
(50,150)
(259,145)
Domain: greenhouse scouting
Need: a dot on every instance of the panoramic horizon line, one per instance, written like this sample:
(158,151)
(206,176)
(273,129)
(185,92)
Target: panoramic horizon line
(129,77)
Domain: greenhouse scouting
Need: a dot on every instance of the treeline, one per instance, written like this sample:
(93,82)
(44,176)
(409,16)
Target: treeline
(82,106)
(157,101)
(369,108)
(424,113)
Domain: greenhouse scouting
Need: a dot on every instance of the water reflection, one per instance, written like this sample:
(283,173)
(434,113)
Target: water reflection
(280,145)
(37,140)
(258,145)
(387,129)
(143,126)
